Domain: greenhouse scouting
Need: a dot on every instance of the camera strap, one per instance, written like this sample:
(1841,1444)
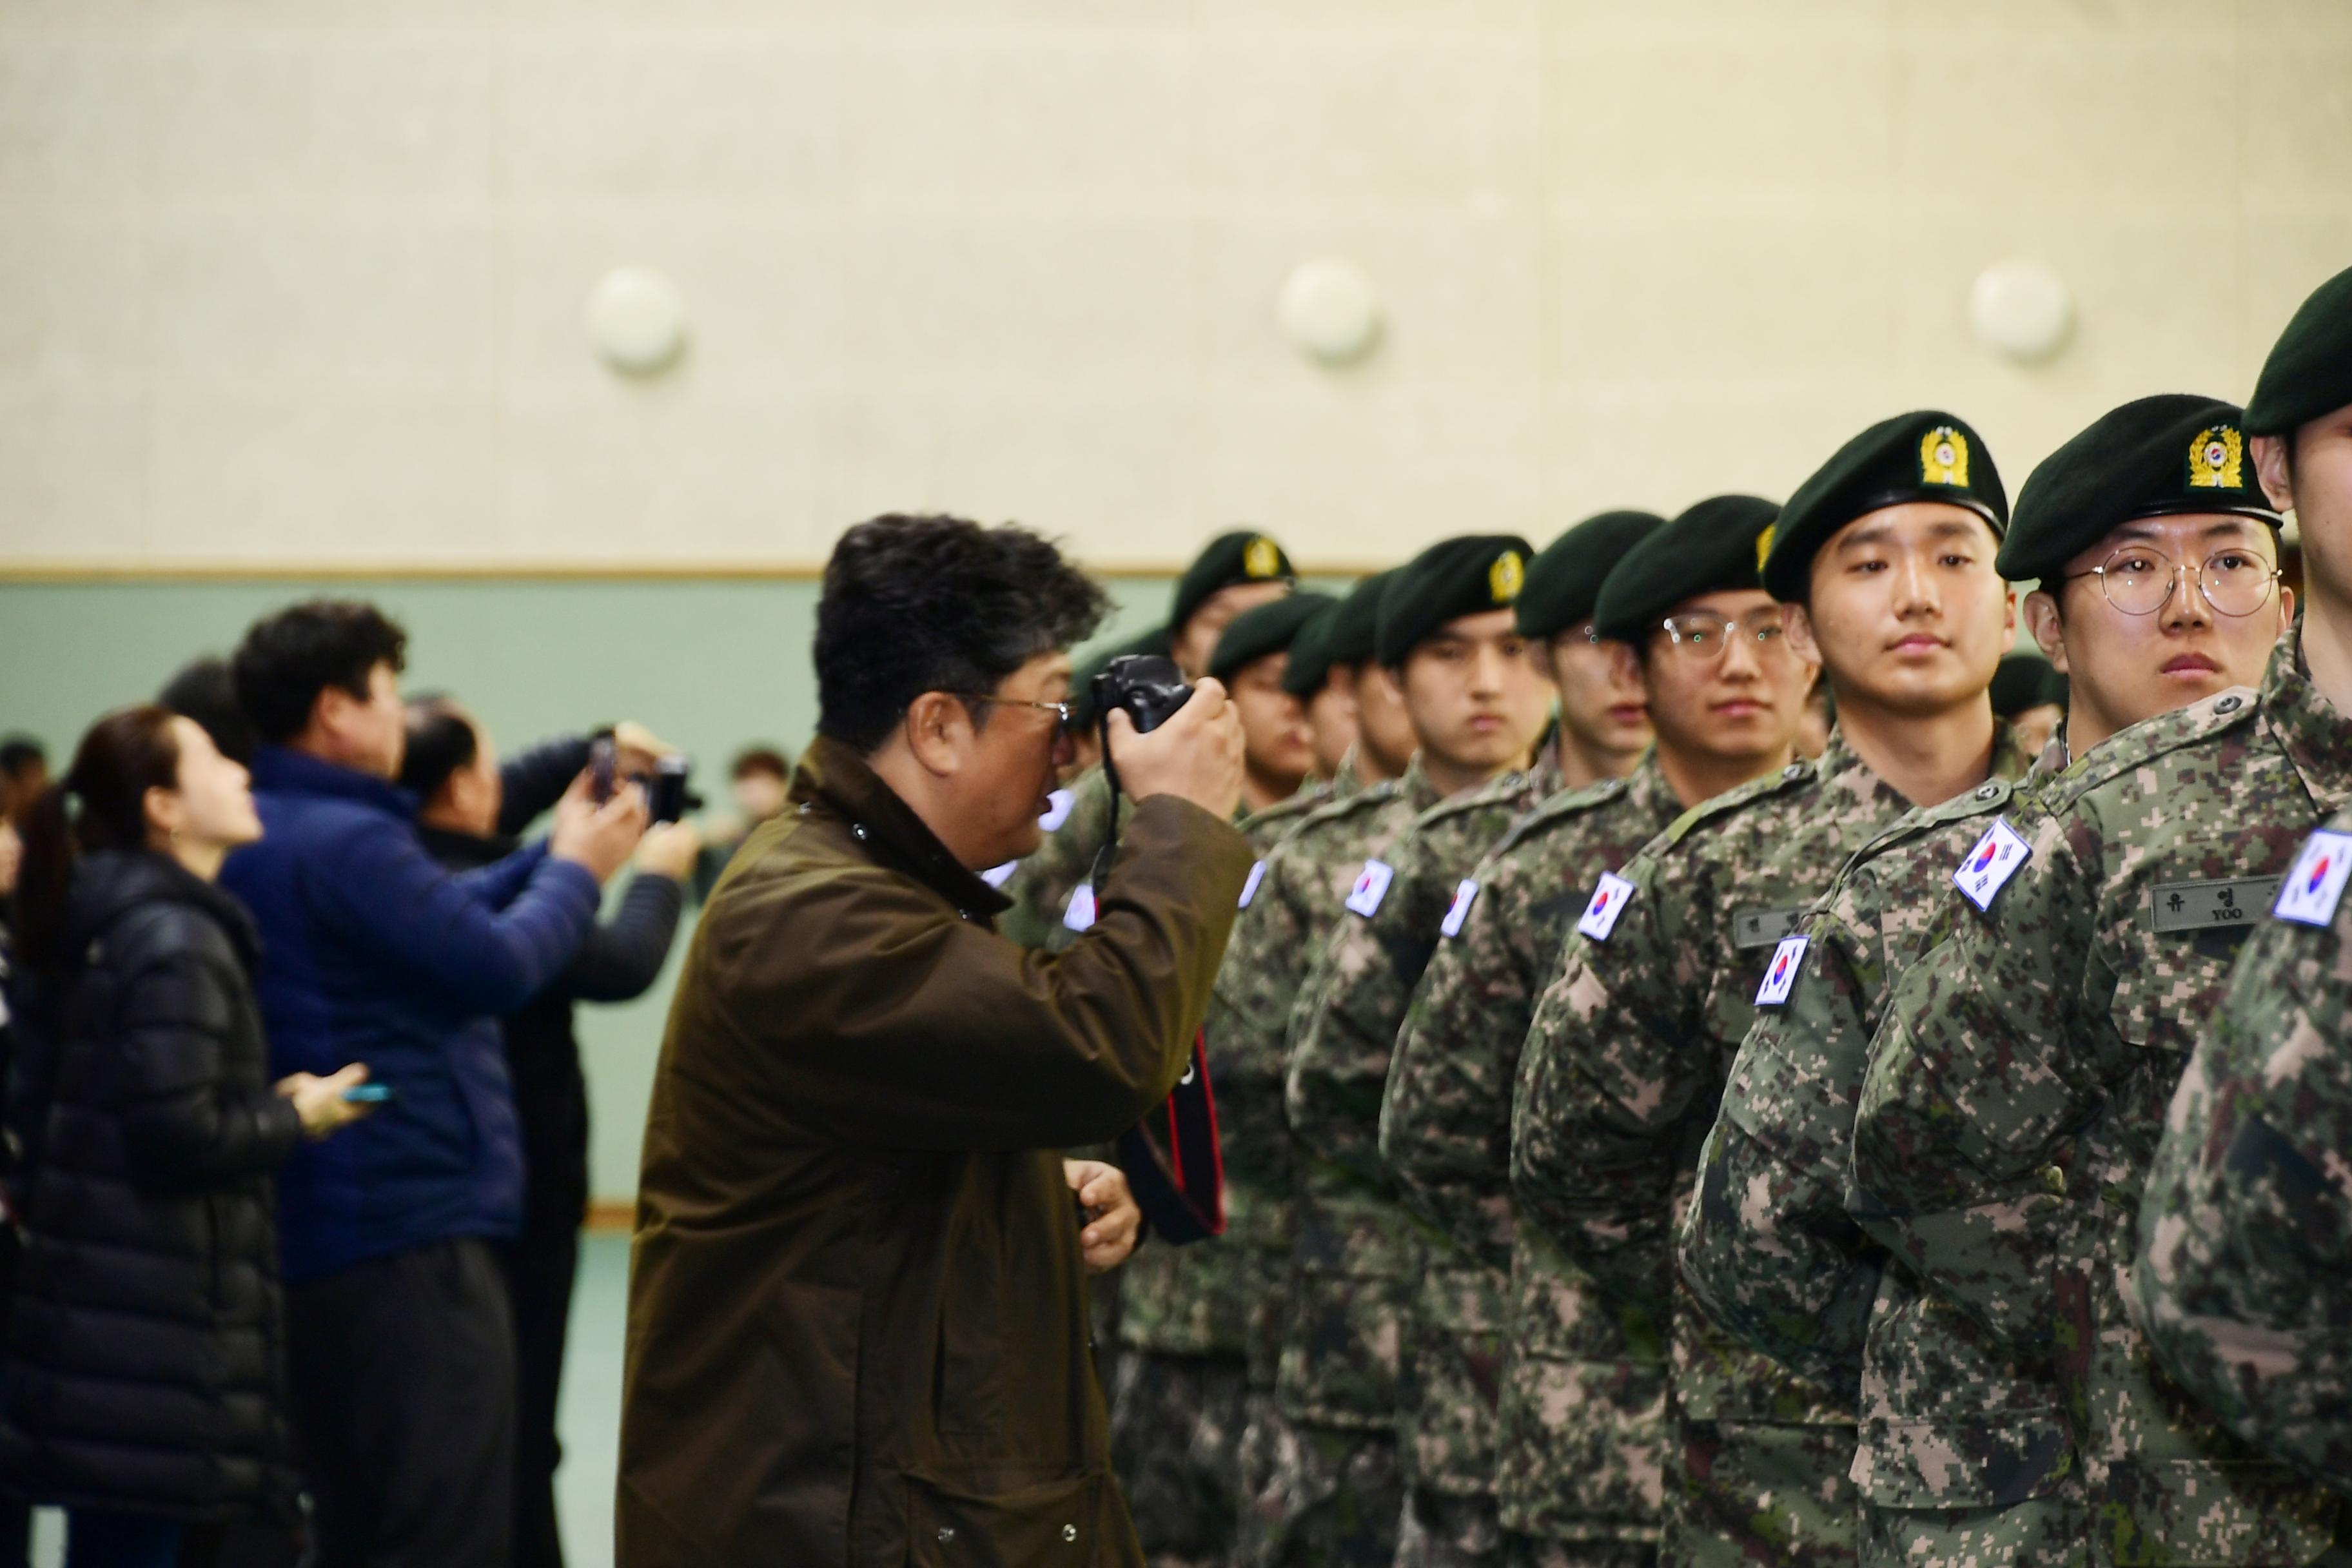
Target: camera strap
(1110,776)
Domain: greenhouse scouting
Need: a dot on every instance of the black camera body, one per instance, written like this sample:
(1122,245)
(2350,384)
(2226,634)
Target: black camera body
(1149,688)
(667,796)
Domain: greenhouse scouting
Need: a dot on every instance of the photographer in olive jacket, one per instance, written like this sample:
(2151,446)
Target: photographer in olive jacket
(857,1300)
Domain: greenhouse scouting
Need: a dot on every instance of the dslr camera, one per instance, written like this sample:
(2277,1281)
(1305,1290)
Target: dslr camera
(1148,686)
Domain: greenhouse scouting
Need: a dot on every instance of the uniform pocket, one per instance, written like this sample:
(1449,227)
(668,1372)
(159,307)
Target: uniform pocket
(1962,1464)
(1061,1523)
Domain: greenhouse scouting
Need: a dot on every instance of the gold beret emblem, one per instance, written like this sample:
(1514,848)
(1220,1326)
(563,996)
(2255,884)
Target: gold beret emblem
(1505,577)
(1944,457)
(2217,460)
(1764,543)
(1261,558)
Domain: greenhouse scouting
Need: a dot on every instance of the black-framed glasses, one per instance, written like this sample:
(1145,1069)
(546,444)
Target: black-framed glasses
(1700,637)
(2137,579)
(1061,711)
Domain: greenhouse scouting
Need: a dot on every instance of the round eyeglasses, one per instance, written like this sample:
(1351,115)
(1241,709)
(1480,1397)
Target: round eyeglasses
(1698,638)
(2138,580)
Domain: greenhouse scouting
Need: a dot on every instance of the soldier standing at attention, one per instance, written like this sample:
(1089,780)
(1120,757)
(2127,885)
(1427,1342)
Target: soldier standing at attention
(1176,1404)
(1445,643)
(1897,599)
(1234,572)
(1964,1454)
(2244,1233)
(2017,1089)
(1363,981)
(1327,687)
(1451,1355)
(1573,1455)
(1294,899)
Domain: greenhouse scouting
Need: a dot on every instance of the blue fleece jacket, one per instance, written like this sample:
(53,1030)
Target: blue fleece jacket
(373,952)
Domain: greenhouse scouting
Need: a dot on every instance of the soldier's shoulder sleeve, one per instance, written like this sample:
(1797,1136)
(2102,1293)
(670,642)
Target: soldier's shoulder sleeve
(1710,814)
(1993,796)
(2146,743)
(1560,807)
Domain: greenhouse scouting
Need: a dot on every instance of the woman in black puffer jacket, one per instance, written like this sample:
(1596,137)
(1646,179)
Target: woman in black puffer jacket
(144,1378)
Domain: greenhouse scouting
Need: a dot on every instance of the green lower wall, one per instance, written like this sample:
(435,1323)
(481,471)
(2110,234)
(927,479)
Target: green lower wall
(711,665)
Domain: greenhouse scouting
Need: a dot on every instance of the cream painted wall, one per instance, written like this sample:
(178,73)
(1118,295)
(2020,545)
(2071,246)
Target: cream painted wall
(301,280)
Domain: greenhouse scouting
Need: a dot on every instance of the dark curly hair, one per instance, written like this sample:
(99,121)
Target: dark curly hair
(937,604)
(287,658)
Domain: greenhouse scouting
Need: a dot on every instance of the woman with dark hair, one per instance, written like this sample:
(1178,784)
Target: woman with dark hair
(145,1389)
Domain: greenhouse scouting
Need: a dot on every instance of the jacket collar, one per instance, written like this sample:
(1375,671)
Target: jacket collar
(833,777)
(2317,739)
(109,881)
(284,771)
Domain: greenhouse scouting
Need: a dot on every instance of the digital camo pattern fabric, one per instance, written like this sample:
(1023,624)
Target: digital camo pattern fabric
(1359,1251)
(1963,1457)
(1622,1069)
(2017,1087)
(1482,1412)
(1175,1441)
(1040,887)
(2245,1268)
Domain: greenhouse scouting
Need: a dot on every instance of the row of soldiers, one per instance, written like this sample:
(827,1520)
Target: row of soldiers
(1659,1139)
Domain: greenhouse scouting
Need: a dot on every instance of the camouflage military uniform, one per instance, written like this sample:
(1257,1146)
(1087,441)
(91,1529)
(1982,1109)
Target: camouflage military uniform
(2245,1272)
(2017,1085)
(1358,1254)
(1964,1456)
(1483,1417)
(1041,887)
(1618,1086)
(1300,1492)
(1179,1388)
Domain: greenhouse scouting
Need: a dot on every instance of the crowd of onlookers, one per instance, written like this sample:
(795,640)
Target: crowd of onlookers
(297,1132)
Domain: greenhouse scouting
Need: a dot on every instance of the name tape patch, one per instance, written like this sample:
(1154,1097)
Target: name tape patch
(1608,902)
(1782,976)
(1080,913)
(1249,889)
(1459,909)
(1372,886)
(1762,928)
(1993,862)
(2311,890)
(2230,901)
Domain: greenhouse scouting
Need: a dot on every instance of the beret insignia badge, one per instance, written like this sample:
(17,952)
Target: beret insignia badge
(1764,545)
(2217,460)
(1944,457)
(1260,558)
(1506,577)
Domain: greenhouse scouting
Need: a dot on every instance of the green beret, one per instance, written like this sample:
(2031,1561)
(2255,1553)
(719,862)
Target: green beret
(2309,372)
(1450,579)
(2171,453)
(1227,560)
(1927,455)
(1082,676)
(1310,654)
(1353,636)
(1713,547)
(1565,580)
(2025,680)
(1263,629)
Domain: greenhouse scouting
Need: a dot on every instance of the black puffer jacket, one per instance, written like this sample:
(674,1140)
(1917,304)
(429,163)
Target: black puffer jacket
(145,1360)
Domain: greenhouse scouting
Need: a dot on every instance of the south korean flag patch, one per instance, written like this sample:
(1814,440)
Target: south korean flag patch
(1787,959)
(1459,909)
(2312,891)
(1993,862)
(1079,914)
(1608,902)
(1372,886)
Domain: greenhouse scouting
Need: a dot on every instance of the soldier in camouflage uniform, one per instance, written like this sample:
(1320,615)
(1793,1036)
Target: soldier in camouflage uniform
(1234,572)
(1886,557)
(2242,1278)
(1176,1402)
(1965,1455)
(1285,916)
(2016,1090)
(1477,701)
(1445,1113)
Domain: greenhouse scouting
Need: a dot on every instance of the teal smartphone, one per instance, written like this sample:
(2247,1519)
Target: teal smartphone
(368,1093)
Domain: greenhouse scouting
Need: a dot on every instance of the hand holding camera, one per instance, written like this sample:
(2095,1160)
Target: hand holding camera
(598,836)
(1195,753)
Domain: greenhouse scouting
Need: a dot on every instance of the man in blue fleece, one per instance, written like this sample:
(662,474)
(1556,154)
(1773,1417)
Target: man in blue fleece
(397,1331)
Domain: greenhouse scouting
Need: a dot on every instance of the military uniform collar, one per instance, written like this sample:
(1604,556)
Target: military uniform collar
(1415,787)
(833,779)
(1841,770)
(2317,739)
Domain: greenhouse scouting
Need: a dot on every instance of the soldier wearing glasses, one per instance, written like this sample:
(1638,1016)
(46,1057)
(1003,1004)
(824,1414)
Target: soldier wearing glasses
(1884,562)
(2017,1090)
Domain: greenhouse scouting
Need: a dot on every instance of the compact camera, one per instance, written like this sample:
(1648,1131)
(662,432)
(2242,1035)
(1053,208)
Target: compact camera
(667,796)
